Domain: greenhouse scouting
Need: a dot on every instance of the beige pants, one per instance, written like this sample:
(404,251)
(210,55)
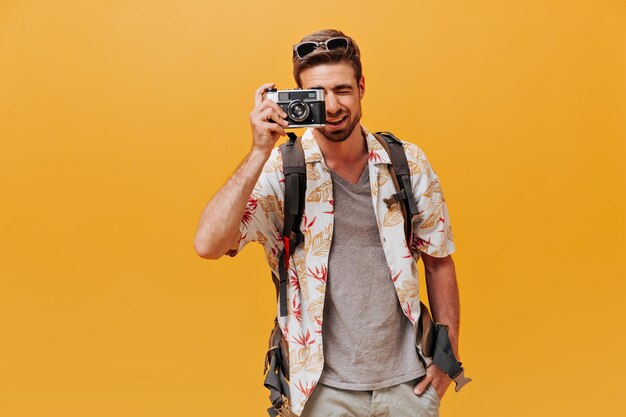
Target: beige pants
(395,401)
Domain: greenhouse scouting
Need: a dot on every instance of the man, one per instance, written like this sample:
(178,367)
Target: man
(354,281)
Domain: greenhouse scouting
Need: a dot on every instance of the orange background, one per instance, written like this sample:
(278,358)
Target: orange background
(120,119)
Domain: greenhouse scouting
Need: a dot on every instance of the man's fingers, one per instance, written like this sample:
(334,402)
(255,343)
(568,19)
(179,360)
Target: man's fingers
(264,114)
(277,129)
(258,95)
(421,386)
(267,103)
(271,114)
(277,108)
(272,127)
(264,122)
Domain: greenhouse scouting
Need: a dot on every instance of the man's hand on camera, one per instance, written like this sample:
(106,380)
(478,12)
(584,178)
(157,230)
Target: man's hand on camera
(267,121)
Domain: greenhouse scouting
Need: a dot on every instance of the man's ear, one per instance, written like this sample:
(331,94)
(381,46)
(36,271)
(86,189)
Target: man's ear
(362,86)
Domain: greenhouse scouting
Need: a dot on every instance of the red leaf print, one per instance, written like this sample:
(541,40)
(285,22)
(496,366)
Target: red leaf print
(306,390)
(297,311)
(250,209)
(306,224)
(332,207)
(293,280)
(422,242)
(373,156)
(319,275)
(318,320)
(396,276)
(304,341)
(407,312)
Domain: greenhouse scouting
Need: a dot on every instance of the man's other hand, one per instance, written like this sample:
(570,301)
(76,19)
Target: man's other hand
(436,376)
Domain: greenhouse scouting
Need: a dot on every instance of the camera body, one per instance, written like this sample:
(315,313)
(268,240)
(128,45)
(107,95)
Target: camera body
(304,108)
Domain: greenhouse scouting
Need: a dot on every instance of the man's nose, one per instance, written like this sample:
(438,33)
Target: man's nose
(332,105)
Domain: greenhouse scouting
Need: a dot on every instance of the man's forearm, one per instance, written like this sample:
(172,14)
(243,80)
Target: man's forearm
(443,296)
(219,223)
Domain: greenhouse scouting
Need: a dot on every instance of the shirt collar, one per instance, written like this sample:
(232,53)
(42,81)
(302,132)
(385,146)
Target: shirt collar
(312,153)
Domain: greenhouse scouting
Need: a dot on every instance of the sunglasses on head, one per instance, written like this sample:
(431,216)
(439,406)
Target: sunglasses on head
(305,48)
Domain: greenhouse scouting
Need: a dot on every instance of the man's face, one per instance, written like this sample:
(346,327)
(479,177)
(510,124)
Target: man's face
(343,97)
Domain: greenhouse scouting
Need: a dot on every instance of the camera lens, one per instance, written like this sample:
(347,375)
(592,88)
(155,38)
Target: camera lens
(298,110)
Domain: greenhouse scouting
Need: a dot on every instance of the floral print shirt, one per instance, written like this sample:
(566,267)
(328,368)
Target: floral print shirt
(263,222)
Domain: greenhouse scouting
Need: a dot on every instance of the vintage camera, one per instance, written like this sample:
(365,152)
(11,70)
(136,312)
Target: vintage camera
(304,108)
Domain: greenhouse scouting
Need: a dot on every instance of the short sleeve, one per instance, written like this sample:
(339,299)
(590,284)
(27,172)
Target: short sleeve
(432,232)
(263,217)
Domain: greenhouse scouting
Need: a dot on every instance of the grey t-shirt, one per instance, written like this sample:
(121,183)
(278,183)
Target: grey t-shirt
(368,341)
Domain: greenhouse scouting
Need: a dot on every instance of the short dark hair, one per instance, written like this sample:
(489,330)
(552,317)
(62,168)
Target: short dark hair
(321,56)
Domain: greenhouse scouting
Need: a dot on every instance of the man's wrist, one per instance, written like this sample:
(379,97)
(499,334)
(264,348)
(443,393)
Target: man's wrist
(260,154)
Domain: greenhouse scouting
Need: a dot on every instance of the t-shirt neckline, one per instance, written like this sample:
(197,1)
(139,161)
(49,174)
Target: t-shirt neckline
(362,179)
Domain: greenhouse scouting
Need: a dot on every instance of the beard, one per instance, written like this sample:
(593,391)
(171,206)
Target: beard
(339,135)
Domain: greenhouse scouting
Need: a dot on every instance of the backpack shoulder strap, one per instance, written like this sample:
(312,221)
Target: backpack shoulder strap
(401,176)
(294,170)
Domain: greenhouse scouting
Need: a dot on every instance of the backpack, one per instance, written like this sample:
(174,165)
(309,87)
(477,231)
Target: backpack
(433,336)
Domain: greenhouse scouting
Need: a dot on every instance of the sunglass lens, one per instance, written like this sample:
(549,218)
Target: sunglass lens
(305,48)
(337,43)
